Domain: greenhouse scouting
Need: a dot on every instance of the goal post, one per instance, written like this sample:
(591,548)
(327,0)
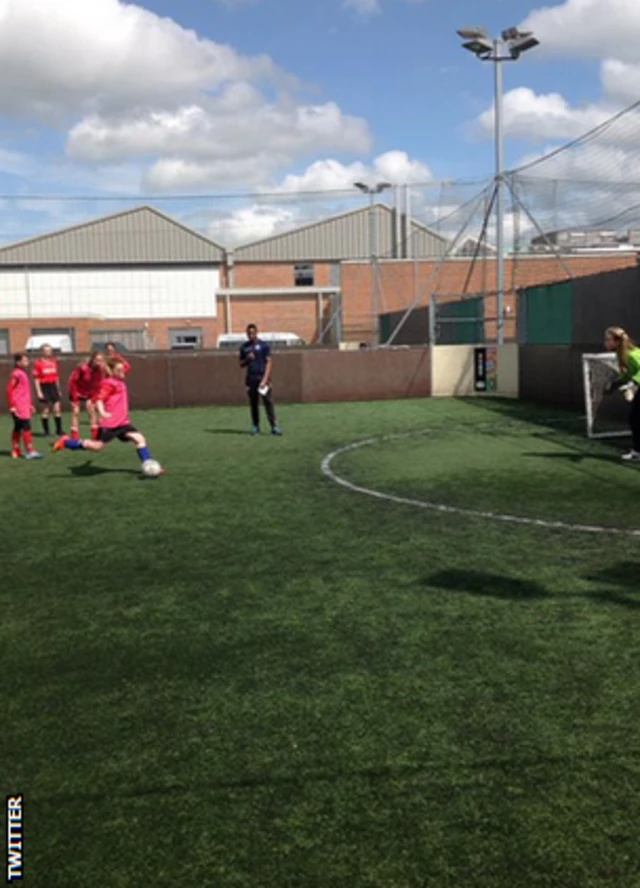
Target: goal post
(607,416)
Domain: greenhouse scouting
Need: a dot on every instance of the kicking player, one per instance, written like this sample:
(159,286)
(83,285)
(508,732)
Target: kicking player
(21,408)
(83,385)
(255,357)
(112,405)
(618,340)
(46,379)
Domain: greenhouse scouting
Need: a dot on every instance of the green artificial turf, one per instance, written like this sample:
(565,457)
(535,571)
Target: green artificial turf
(242,674)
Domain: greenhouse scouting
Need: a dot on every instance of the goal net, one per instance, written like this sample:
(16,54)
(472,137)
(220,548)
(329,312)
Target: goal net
(607,415)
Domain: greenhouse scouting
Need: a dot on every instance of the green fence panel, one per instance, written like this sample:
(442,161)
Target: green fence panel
(461,323)
(386,326)
(549,319)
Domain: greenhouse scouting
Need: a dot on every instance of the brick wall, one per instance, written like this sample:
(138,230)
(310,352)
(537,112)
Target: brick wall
(276,274)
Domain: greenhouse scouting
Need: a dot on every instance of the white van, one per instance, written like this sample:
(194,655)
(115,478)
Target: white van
(233,341)
(60,343)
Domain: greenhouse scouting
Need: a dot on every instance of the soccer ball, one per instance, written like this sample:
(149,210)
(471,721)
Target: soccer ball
(151,468)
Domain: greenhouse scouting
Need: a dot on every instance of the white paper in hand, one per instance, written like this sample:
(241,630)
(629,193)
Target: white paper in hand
(264,390)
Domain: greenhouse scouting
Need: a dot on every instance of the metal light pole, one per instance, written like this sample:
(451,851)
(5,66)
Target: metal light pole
(506,48)
(371,191)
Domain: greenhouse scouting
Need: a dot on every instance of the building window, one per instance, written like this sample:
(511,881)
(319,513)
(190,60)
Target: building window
(129,340)
(185,338)
(43,332)
(303,275)
(4,342)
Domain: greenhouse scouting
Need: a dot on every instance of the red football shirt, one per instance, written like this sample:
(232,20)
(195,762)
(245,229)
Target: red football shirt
(85,382)
(46,370)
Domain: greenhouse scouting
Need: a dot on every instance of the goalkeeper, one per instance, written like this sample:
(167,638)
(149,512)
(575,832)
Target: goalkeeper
(618,340)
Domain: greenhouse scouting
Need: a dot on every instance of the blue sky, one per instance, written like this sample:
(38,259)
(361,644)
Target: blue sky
(211,96)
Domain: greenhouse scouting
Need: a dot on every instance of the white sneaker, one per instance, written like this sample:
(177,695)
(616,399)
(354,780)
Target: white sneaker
(631,456)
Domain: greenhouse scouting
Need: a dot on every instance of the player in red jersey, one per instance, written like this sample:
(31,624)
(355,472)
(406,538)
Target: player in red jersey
(112,404)
(46,378)
(113,354)
(21,408)
(83,385)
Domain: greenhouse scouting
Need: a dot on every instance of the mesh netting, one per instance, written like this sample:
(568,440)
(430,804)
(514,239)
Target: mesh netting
(593,183)
(607,415)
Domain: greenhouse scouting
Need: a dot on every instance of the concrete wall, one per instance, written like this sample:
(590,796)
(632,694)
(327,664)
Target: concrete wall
(509,371)
(452,371)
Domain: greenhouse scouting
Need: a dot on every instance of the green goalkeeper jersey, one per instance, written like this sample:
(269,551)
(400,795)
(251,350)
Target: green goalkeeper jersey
(632,373)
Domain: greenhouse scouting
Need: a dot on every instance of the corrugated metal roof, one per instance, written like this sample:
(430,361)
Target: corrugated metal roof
(141,236)
(343,237)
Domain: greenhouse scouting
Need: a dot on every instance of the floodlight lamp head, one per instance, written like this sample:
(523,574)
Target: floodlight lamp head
(510,34)
(382,186)
(480,47)
(522,44)
(473,33)
(361,187)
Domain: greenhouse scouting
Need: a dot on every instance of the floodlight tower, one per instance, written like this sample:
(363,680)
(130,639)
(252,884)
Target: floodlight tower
(506,48)
(371,191)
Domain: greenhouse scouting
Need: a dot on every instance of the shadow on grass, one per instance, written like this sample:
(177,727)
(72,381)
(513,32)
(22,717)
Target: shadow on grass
(89,470)
(577,457)
(609,597)
(625,575)
(490,585)
(550,417)
(227,432)
(5,453)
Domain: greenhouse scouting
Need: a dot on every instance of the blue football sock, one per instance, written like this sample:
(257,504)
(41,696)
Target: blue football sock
(143,454)
(74,444)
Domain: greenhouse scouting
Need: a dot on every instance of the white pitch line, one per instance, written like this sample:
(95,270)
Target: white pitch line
(327,470)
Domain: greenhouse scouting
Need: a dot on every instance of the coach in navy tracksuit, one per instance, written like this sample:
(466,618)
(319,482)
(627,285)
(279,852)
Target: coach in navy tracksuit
(255,357)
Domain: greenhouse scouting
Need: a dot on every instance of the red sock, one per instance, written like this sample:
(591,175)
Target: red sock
(75,434)
(94,433)
(15,442)
(27,438)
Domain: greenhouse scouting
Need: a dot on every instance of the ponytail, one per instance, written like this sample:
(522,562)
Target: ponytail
(624,344)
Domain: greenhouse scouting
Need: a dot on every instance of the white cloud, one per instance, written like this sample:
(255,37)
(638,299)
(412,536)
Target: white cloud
(188,111)
(543,117)
(327,178)
(238,124)
(621,80)
(395,167)
(251,223)
(77,56)
(589,28)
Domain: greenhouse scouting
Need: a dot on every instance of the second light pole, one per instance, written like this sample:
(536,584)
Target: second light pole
(371,191)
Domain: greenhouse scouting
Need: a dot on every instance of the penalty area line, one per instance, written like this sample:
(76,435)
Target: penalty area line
(329,472)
